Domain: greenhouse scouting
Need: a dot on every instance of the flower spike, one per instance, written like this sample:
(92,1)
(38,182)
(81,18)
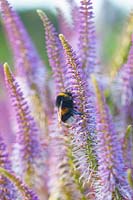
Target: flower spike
(76,81)
(66,183)
(7,190)
(64,186)
(87,36)
(54,51)
(27,150)
(29,68)
(27,193)
(26,59)
(109,150)
(84,126)
(122,53)
(126,74)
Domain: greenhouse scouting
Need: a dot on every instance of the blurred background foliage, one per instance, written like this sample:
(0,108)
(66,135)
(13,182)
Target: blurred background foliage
(110,23)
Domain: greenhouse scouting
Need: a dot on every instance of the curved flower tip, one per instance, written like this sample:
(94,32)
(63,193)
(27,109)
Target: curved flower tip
(63,41)
(40,13)
(7,71)
(27,193)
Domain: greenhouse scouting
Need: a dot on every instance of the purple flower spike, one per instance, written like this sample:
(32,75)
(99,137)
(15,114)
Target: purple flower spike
(26,59)
(76,83)
(54,50)
(7,190)
(112,183)
(84,126)
(121,54)
(28,65)
(27,193)
(127,147)
(66,27)
(126,76)
(87,36)
(63,182)
(5,122)
(28,151)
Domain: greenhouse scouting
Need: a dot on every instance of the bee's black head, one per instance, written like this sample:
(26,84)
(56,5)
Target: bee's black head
(64,98)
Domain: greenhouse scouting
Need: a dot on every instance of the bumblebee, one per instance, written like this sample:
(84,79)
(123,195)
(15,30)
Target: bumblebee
(65,105)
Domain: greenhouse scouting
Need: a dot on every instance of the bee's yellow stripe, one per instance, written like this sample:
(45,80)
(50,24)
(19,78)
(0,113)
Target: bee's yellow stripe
(63,94)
